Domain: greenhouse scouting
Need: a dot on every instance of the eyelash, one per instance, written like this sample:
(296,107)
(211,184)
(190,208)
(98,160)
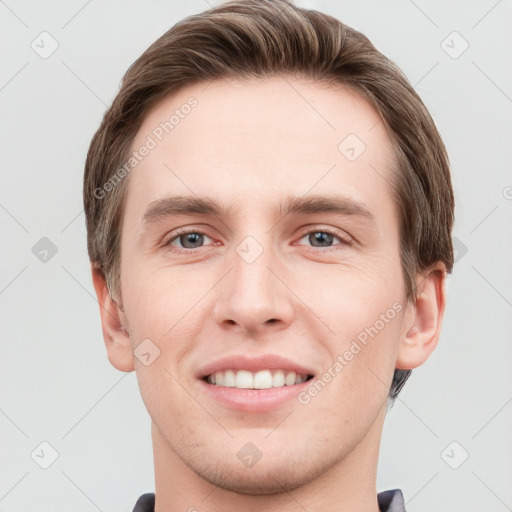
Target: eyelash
(344,241)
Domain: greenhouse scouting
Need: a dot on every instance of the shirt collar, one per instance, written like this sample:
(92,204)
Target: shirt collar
(389,501)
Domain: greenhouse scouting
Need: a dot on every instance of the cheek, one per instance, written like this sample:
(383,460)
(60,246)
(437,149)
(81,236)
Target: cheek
(166,399)
(354,297)
(355,385)
(155,299)
(365,312)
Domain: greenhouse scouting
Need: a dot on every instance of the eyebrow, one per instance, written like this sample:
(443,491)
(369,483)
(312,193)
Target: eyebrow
(190,205)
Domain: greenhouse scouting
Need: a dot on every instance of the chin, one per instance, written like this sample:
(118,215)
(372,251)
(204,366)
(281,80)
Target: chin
(271,474)
(262,481)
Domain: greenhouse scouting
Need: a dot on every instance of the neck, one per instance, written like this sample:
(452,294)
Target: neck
(350,484)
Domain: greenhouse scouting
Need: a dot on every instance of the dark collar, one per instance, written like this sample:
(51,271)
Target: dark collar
(389,501)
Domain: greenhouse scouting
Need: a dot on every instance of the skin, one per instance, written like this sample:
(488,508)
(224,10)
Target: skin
(250,145)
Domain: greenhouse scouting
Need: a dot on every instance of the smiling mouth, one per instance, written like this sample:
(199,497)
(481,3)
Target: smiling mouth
(262,379)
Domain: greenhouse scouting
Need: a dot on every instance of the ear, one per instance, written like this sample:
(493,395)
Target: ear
(113,324)
(422,336)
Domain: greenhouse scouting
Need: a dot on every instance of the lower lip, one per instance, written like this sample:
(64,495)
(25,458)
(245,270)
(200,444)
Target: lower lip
(253,400)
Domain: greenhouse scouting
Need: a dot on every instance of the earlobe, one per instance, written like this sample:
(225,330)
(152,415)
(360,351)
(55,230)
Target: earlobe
(419,340)
(113,324)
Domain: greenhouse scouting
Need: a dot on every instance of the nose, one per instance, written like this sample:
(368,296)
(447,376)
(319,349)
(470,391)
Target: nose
(253,297)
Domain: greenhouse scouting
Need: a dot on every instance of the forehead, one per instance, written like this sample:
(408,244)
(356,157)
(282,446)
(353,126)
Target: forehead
(251,141)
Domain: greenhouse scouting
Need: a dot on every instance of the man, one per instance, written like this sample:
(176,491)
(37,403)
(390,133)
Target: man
(269,214)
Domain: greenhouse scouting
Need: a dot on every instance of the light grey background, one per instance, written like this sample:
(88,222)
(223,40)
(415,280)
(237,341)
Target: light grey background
(56,382)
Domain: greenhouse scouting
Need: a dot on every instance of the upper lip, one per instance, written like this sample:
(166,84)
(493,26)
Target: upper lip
(253,364)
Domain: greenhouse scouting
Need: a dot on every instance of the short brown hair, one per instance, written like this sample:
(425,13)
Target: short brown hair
(255,39)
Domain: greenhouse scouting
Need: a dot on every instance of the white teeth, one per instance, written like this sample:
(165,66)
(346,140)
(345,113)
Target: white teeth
(229,378)
(278,379)
(244,379)
(290,379)
(262,379)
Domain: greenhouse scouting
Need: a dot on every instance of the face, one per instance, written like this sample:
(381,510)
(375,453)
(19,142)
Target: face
(298,269)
